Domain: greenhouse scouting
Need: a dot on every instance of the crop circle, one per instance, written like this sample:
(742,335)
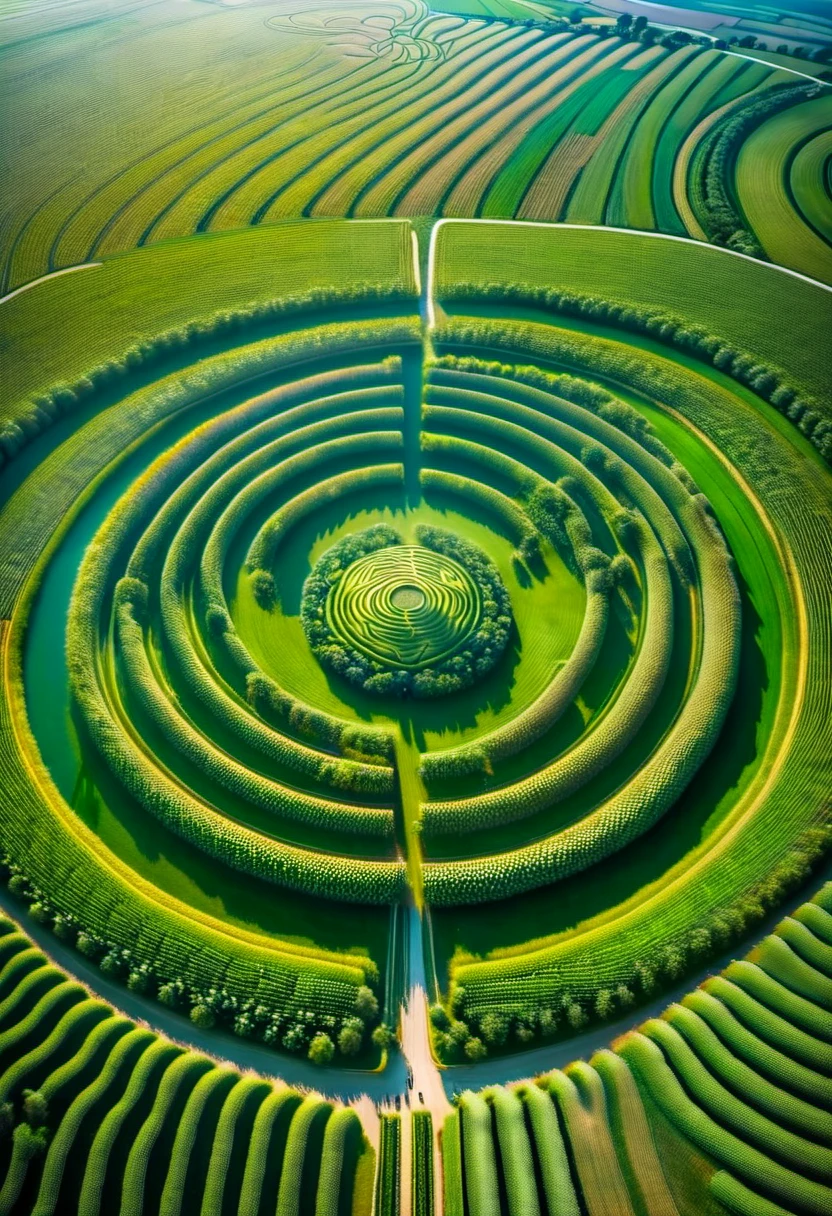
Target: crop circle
(406,619)
(404,606)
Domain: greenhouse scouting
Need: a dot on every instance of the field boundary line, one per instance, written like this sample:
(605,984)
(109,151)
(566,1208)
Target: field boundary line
(53,274)
(659,236)
(778,67)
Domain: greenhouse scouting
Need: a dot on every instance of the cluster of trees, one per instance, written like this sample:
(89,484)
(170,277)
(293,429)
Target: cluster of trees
(627,27)
(638,29)
(291,1028)
(554,1011)
(34,416)
(559,518)
(722,218)
(769,382)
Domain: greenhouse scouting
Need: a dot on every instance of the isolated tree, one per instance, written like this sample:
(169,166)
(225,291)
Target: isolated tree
(366,1005)
(382,1036)
(349,1041)
(35,1108)
(321,1049)
(203,1017)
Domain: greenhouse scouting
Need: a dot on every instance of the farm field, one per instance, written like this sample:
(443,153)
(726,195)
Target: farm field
(503,113)
(415,566)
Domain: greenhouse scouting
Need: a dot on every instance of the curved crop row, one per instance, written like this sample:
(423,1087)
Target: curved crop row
(493,118)
(668,1115)
(142,934)
(104,1108)
(702,712)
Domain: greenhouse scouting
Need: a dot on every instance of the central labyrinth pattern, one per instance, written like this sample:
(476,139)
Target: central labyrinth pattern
(405,606)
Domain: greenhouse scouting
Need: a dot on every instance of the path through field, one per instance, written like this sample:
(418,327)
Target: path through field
(426,1090)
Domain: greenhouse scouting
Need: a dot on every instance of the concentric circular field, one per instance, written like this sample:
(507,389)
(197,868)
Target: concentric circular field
(404,606)
(506,627)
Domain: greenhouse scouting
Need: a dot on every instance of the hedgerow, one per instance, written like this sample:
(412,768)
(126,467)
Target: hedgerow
(317,998)
(515,1151)
(173,1102)
(739,1077)
(388,1180)
(502,1004)
(722,219)
(598,1130)
(808,414)
(422,1197)
(597,749)
(510,515)
(481,1186)
(30,418)
(263,549)
(241,781)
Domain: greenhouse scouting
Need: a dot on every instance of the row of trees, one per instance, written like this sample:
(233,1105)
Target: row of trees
(638,29)
(766,380)
(288,1027)
(521,1018)
(32,417)
(723,220)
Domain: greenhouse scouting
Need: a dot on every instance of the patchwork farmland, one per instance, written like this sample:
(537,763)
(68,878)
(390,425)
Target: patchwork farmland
(415,566)
(471,118)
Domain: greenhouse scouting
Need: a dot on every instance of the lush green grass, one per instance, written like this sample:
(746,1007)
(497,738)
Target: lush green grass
(118,842)
(766,595)
(277,640)
(765,192)
(134,298)
(720,293)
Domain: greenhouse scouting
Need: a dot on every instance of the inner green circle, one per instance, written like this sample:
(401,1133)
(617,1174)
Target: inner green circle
(407,597)
(405,606)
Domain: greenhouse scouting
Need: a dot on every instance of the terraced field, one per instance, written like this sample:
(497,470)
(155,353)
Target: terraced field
(414,615)
(500,114)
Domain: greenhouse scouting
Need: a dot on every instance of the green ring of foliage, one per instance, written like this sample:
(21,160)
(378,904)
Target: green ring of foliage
(406,620)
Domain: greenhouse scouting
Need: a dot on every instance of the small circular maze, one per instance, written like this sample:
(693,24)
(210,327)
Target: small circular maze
(406,620)
(404,606)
